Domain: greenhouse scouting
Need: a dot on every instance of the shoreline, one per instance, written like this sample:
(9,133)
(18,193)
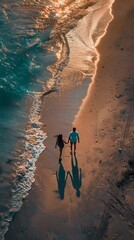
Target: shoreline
(94,157)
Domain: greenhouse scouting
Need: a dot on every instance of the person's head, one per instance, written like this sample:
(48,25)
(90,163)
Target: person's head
(60,137)
(74,129)
(78,193)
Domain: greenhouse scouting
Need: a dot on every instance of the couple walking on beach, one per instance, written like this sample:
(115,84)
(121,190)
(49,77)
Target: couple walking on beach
(73,138)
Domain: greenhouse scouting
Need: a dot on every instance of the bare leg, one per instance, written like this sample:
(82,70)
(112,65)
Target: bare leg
(74,147)
(71,146)
(60,152)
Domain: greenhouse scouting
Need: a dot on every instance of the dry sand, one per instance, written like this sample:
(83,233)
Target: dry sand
(105,153)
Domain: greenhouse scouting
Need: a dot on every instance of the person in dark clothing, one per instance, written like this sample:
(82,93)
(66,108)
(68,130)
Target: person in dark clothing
(60,143)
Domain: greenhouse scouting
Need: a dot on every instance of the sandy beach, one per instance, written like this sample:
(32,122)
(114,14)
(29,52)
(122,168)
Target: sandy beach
(103,115)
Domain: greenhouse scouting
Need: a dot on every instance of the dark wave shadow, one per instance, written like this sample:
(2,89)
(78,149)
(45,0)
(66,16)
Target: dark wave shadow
(76,175)
(61,177)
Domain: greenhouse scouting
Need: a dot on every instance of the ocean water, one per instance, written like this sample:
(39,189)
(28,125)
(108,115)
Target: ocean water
(38,38)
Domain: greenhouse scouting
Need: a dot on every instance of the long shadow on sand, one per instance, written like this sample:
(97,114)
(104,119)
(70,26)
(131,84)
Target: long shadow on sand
(61,180)
(76,175)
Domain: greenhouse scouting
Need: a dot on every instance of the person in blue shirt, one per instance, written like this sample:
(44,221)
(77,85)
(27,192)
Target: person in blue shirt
(73,138)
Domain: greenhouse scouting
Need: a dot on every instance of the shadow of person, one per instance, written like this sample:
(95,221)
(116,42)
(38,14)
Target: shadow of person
(61,177)
(76,176)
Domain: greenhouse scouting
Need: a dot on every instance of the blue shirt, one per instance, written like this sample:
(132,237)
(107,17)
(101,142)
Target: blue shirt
(73,136)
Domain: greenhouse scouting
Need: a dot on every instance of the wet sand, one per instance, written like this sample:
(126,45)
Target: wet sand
(105,208)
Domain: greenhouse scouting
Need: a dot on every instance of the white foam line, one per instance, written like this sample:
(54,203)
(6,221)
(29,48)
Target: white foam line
(33,147)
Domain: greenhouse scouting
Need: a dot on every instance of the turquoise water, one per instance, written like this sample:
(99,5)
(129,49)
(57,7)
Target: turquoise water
(23,62)
(23,74)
